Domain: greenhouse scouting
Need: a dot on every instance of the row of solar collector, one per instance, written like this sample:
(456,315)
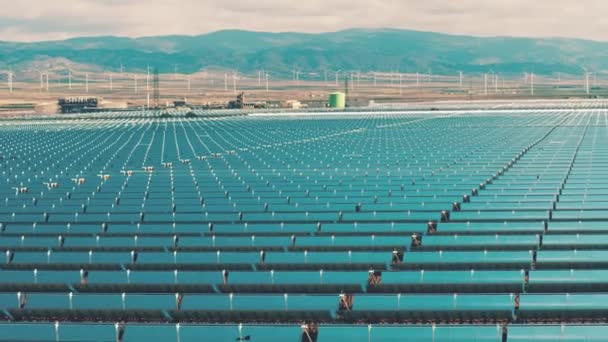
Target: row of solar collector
(293,307)
(340,183)
(442,242)
(192,206)
(382,242)
(63,243)
(240,191)
(315,169)
(91,332)
(534,211)
(305,260)
(311,216)
(52,230)
(195,203)
(328,281)
(329,194)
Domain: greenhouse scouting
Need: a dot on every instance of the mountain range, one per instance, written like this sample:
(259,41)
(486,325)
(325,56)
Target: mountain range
(349,50)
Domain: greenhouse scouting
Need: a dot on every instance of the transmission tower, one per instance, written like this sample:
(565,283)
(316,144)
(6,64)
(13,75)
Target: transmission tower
(156,85)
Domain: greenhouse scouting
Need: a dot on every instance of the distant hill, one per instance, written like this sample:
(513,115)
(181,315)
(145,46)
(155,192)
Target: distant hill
(355,49)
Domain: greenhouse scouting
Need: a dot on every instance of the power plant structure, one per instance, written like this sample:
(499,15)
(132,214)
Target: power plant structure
(337,100)
(77,104)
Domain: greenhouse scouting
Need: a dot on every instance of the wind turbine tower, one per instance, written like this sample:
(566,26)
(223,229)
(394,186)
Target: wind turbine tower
(485,84)
(10,80)
(586,84)
(156,86)
(532,84)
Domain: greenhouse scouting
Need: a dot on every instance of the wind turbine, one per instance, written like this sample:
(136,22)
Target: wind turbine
(267,77)
(489,77)
(86,87)
(485,84)
(587,74)
(41,79)
(148,78)
(532,84)
(460,76)
(10,81)
(298,78)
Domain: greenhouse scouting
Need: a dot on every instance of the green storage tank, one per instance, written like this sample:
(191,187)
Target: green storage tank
(337,100)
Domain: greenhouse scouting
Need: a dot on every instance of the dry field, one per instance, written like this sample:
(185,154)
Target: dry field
(122,90)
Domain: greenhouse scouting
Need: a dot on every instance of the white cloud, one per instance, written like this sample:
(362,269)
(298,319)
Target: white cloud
(27,20)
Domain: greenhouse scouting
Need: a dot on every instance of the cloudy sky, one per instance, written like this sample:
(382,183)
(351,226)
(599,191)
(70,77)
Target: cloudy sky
(34,20)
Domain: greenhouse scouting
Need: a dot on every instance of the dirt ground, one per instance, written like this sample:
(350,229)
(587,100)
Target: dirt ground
(122,90)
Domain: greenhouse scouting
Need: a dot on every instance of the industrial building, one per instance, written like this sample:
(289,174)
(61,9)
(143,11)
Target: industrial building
(337,100)
(240,103)
(77,104)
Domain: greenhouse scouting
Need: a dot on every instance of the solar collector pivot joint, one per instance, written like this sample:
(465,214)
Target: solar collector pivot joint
(431,227)
(310,332)
(416,241)
(445,216)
